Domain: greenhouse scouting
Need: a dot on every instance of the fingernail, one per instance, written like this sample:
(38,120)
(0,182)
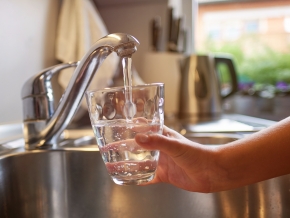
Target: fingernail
(143,138)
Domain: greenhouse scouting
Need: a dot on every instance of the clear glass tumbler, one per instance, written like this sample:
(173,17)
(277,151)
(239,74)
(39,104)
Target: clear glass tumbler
(116,118)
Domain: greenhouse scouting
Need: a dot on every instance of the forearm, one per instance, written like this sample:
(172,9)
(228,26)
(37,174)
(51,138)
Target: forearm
(261,156)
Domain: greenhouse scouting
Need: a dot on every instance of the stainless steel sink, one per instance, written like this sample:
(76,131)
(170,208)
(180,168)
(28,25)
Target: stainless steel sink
(74,183)
(213,139)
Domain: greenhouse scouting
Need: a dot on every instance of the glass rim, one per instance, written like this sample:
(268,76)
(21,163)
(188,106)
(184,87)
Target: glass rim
(118,88)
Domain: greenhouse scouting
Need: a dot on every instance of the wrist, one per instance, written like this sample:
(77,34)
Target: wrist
(218,172)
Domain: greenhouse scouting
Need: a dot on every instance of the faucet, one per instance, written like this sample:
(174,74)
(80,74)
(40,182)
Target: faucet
(44,117)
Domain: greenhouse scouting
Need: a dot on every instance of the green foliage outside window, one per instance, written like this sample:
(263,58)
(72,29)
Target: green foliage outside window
(255,62)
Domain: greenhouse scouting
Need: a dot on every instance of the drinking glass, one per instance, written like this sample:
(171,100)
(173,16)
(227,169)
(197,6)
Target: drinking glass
(117,115)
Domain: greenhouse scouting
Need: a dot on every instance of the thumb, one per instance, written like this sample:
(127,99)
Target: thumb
(170,146)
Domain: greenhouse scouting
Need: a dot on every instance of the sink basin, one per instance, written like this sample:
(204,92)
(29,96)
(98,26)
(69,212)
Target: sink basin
(213,139)
(73,183)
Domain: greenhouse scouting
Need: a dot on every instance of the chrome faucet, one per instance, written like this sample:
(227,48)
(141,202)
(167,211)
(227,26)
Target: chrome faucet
(44,117)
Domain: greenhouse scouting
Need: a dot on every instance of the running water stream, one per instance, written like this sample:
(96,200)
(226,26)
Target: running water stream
(129,109)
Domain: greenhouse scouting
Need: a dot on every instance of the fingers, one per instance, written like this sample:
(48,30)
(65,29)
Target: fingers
(172,146)
(142,125)
(171,133)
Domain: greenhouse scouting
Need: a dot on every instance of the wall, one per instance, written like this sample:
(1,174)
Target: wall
(134,17)
(27,33)
(135,20)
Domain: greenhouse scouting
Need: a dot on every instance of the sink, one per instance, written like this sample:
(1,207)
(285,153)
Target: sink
(213,139)
(73,183)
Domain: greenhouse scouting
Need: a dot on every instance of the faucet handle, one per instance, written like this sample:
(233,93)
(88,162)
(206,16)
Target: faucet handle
(39,101)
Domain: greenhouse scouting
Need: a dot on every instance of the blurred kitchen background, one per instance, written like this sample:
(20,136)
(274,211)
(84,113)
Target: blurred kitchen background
(256,33)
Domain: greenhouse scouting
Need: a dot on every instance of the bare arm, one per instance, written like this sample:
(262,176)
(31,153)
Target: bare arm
(200,168)
(260,156)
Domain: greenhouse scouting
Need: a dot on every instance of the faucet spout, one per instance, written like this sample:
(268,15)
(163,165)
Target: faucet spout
(44,131)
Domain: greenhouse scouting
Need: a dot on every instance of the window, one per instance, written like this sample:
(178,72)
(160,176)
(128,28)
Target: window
(252,26)
(287,24)
(256,33)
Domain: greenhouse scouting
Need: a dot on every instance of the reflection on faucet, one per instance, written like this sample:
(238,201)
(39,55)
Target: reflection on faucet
(42,123)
